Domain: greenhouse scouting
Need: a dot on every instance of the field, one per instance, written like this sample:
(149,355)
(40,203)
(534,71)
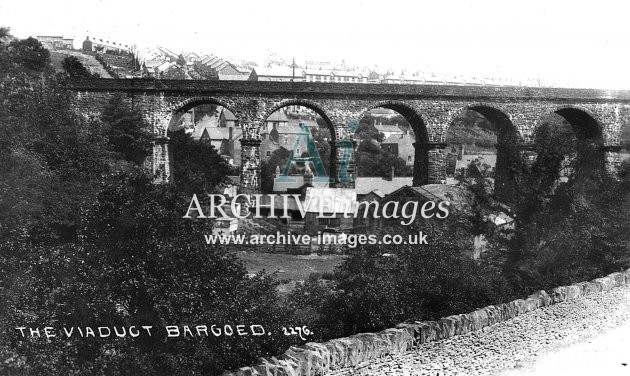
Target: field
(289,267)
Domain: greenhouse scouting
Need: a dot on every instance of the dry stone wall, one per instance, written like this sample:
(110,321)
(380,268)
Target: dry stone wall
(320,358)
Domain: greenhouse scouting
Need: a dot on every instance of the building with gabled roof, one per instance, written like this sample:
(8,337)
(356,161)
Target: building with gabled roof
(279,73)
(366,185)
(191,57)
(226,140)
(167,53)
(402,146)
(235,77)
(53,42)
(388,130)
(326,208)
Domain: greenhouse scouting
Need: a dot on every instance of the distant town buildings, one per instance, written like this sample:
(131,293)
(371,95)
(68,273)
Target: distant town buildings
(279,73)
(56,42)
(105,45)
(161,62)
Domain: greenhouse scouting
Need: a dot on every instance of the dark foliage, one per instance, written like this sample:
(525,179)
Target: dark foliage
(74,67)
(197,167)
(127,132)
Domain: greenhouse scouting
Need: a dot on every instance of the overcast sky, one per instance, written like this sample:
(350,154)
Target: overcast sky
(569,42)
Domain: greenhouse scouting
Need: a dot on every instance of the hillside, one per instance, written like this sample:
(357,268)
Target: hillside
(56,58)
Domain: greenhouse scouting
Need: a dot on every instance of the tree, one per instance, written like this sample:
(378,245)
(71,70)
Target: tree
(4,32)
(567,237)
(65,151)
(378,287)
(139,263)
(81,245)
(30,54)
(197,167)
(278,159)
(74,67)
(366,131)
(371,160)
(127,131)
(180,60)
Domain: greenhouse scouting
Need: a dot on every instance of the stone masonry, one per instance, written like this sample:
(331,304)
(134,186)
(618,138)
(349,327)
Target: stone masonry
(597,115)
(413,343)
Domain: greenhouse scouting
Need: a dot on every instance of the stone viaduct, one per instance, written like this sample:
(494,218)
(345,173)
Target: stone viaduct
(597,116)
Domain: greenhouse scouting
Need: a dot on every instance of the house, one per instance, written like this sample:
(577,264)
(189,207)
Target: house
(459,197)
(387,129)
(104,45)
(276,120)
(365,186)
(227,119)
(279,73)
(53,42)
(331,75)
(225,140)
(403,79)
(296,182)
(191,57)
(235,77)
(174,72)
(325,210)
(167,54)
(279,134)
(402,146)
(213,67)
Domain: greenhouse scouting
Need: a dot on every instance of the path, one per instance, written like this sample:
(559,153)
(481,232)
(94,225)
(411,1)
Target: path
(586,336)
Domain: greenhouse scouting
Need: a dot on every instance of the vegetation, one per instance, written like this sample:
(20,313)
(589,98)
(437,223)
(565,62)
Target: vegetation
(473,130)
(371,160)
(88,239)
(75,68)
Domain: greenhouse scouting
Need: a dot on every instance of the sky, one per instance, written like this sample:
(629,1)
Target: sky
(568,43)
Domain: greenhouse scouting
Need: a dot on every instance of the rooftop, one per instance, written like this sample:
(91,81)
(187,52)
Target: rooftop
(458,196)
(388,128)
(277,72)
(279,116)
(365,185)
(330,200)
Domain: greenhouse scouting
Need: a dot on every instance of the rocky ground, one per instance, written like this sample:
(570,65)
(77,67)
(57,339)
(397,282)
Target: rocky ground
(558,334)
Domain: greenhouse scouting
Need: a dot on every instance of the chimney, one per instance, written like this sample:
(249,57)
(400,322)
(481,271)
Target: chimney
(390,175)
(308,176)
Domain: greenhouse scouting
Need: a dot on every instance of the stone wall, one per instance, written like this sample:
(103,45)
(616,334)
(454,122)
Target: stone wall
(320,358)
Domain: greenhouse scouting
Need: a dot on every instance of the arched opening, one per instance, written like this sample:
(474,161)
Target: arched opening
(296,148)
(204,146)
(391,150)
(568,144)
(482,143)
